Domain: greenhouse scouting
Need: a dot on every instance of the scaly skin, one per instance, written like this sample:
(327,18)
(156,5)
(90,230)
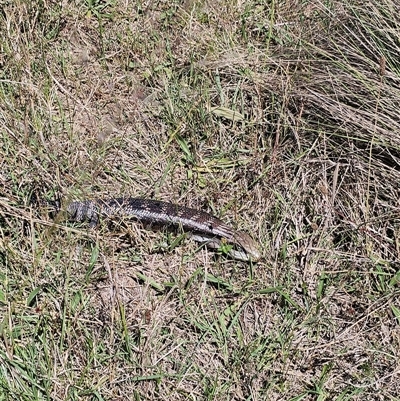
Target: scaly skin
(204,226)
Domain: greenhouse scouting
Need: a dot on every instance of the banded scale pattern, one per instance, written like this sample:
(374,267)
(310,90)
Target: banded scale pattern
(204,226)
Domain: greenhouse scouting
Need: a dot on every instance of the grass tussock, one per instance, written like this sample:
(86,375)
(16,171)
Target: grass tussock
(281,119)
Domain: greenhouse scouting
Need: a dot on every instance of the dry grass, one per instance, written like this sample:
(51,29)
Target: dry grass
(99,99)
